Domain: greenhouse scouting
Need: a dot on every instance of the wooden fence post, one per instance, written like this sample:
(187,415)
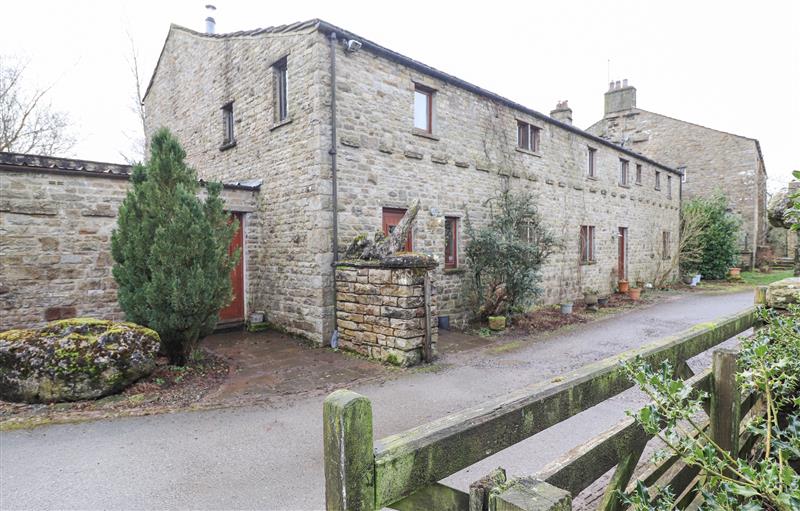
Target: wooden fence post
(726,400)
(349,458)
(529,494)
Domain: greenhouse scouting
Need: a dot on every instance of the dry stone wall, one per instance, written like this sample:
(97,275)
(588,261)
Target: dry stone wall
(381,311)
(55,245)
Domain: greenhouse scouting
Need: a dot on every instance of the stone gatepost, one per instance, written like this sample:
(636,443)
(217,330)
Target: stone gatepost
(381,308)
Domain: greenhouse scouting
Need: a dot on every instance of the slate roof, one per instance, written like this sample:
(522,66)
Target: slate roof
(327,28)
(53,164)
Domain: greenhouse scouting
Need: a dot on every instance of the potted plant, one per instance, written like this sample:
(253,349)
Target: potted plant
(566,307)
(602,301)
(623,286)
(639,282)
(590,296)
(735,273)
(635,293)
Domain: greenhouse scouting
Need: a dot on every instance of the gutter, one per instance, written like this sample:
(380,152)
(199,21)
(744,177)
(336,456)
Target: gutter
(334,188)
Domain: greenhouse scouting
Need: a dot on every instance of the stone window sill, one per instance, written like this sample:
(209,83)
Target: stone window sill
(531,153)
(638,184)
(424,134)
(591,178)
(588,263)
(227,145)
(623,186)
(284,122)
(454,271)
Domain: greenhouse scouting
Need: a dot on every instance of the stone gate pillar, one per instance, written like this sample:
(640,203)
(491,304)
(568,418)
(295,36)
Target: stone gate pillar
(381,308)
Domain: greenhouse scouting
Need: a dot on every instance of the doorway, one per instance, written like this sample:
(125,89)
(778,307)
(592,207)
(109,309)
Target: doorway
(622,240)
(234,313)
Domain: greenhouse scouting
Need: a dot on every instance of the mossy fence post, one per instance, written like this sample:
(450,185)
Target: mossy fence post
(726,401)
(349,458)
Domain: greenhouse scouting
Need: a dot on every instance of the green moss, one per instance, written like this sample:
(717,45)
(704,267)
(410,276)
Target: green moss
(394,359)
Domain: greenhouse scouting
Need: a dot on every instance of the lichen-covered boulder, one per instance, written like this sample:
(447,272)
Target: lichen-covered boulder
(784,292)
(74,359)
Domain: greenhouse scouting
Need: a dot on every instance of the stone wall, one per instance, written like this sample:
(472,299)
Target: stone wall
(469,158)
(291,245)
(381,309)
(714,161)
(55,244)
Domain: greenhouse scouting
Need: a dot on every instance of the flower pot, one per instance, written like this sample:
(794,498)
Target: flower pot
(590,298)
(444,322)
(635,293)
(623,286)
(602,301)
(566,308)
(257,317)
(687,279)
(497,323)
(735,272)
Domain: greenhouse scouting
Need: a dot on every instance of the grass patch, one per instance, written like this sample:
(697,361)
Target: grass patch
(756,278)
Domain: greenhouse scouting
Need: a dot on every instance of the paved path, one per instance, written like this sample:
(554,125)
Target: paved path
(270,458)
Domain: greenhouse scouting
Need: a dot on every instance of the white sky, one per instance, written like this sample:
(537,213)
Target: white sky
(730,65)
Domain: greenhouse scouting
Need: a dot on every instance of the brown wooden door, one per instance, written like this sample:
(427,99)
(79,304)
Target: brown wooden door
(623,239)
(391,218)
(235,311)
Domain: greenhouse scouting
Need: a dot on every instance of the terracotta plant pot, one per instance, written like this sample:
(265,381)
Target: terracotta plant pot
(735,272)
(635,293)
(623,286)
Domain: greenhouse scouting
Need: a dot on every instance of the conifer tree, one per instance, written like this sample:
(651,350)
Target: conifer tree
(170,249)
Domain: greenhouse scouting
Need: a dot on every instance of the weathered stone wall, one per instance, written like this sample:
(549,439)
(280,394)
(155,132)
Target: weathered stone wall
(471,156)
(291,255)
(714,161)
(55,245)
(381,311)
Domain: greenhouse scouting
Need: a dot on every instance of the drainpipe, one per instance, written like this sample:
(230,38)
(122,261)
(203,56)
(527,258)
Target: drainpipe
(334,197)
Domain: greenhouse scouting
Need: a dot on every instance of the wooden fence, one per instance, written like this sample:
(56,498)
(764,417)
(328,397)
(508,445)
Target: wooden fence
(402,471)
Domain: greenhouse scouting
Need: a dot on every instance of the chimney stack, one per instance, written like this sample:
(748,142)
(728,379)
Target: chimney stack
(211,24)
(620,97)
(562,112)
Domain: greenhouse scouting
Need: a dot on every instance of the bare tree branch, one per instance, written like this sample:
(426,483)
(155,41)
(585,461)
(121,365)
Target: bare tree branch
(27,123)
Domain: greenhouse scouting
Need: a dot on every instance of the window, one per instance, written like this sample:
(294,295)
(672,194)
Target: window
(669,187)
(450,242)
(684,175)
(281,90)
(391,218)
(227,125)
(423,108)
(658,180)
(665,245)
(528,137)
(623,172)
(587,243)
(590,166)
(638,173)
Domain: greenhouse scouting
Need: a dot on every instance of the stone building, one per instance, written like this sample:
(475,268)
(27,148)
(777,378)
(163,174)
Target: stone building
(711,160)
(345,156)
(56,218)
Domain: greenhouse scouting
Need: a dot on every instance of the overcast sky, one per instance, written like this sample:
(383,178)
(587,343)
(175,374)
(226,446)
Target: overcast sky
(730,65)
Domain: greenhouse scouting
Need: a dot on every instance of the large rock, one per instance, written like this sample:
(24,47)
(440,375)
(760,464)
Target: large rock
(784,292)
(74,359)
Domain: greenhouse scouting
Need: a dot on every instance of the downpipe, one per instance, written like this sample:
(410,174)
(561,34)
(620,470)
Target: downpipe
(334,342)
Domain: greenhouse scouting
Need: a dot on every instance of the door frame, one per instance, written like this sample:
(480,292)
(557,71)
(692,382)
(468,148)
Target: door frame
(622,243)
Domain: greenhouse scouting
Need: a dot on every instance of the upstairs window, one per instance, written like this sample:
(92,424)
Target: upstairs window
(669,187)
(528,137)
(587,243)
(281,90)
(590,166)
(658,180)
(684,175)
(227,125)
(623,172)
(665,245)
(423,108)
(450,242)
(391,218)
(638,173)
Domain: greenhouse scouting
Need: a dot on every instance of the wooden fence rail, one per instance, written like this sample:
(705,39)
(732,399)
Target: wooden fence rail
(401,471)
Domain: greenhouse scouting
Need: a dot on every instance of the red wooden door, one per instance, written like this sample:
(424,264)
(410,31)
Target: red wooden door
(623,235)
(391,218)
(235,311)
